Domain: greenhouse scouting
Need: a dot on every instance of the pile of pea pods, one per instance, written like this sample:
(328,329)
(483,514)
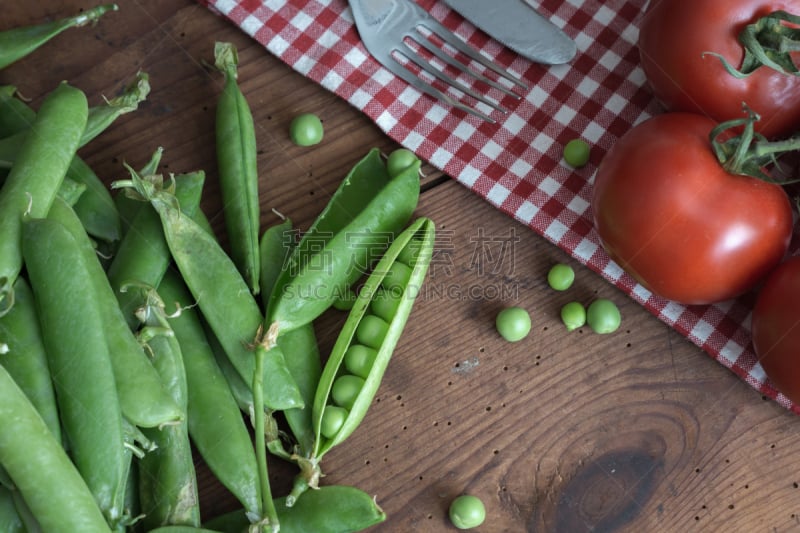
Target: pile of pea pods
(116,368)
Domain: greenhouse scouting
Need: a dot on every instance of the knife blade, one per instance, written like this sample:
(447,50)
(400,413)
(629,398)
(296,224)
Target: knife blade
(517,25)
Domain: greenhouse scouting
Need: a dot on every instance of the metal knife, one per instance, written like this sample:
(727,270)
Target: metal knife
(516,24)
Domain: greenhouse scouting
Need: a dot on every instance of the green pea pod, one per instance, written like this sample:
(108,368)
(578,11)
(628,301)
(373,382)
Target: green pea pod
(144,399)
(10,521)
(95,207)
(181,529)
(237,167)
(367,210)
(85,387)
(31,525)
(275,246)
(300,347)
(15,115)
(71,191)
(17,43)
(143,255)
(168,491)
(215,422)
(329,509)
(25,357)
(41,469)
(421,235)
(221,293)
(33,182)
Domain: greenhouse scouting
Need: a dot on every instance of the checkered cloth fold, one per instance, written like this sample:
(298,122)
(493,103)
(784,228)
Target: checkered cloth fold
(517,164)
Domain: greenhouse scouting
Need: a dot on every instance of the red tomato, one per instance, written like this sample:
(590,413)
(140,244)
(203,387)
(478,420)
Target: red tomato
(673,37)
(668,214)
(776,328)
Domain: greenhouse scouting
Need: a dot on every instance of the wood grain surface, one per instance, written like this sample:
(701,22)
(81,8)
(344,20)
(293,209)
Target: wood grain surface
(635,431)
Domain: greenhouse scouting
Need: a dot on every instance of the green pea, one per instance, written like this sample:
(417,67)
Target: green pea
(576,153)
(603,316)
(396,278)
(399,160)
(560,277)
(513,323)
(408,255)
(333,418)
(345,300)
(385,303)
(371,331)
(358,360)
(467,512)
(306,129)
(345,390)
(573,315)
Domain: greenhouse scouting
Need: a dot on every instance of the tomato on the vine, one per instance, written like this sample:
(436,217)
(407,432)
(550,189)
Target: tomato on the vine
(675,39)
(776,328)
(669,214)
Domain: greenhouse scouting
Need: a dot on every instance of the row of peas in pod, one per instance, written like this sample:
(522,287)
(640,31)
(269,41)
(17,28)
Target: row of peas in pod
(187,351)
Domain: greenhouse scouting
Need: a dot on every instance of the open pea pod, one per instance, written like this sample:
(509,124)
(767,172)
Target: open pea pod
(367,210)
(329,509)
(335,414)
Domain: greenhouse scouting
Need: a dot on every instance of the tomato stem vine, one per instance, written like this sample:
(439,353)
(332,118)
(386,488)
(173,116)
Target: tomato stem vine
(749,153)
(768,42)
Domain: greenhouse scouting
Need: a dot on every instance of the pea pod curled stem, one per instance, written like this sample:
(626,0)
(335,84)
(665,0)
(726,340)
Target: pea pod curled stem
(367,209)
(420,233)
(143,255)
(59,278)
(33,181)
(42,472)
(167,480)
(237,167)
(221,293)
(128,202)
(142,396)
(329,509)
(102,116)
(215,423)
(26,357)
(17,43)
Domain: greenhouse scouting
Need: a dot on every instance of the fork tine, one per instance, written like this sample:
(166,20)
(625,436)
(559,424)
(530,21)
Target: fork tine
(400,70)
(461,66)
(424,65)
(453,40)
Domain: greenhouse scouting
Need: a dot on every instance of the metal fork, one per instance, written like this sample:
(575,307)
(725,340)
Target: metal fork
(387,26)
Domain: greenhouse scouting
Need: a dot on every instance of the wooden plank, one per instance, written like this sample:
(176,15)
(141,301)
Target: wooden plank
(633,431)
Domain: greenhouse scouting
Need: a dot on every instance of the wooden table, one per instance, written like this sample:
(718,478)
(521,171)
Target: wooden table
(564,432)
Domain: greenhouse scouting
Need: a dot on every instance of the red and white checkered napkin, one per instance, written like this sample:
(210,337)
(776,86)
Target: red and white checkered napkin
(516,164)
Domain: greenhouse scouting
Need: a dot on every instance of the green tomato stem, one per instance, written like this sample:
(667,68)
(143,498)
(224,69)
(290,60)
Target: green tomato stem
(749,153)
(768,42)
